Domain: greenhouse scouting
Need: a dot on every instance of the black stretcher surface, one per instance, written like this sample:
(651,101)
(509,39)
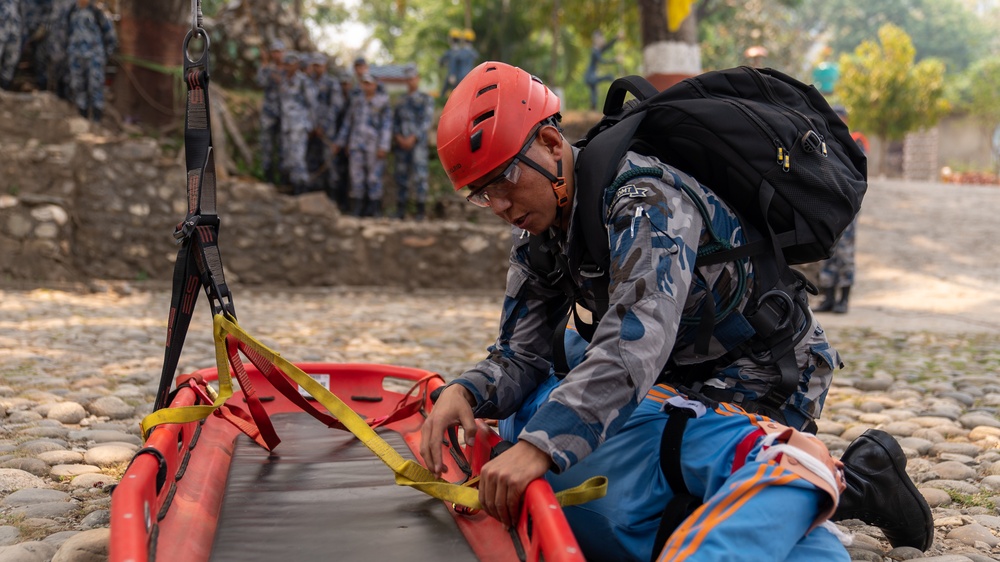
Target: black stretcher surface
(324,496)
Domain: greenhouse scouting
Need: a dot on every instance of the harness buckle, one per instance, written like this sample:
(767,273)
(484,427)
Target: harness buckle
(184,229)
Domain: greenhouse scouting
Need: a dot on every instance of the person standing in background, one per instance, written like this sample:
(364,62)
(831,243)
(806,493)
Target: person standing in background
(269,77)
(10,40)
(411,123)
(366,136)
(836,274)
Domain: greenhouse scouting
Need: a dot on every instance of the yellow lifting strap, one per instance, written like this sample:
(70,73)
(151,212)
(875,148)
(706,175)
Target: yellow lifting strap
(407,472)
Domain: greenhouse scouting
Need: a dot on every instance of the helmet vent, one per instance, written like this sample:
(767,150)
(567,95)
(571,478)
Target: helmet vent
(482,118)
(486,89)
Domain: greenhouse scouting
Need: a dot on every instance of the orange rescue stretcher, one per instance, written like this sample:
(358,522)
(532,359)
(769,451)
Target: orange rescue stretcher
(211,489)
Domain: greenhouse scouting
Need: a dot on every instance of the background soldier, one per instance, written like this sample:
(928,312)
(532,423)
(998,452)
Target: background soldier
(450,60)
(269,76)
(91,42)
(10,40)
(366,135)
(37,14)
(326,106)
(57,73)
(837,272)
(296,123)
(411,123)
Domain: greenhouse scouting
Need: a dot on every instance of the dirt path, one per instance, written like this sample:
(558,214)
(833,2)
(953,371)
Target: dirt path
(927,259)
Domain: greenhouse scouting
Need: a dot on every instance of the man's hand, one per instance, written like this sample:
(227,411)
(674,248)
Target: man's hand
(504,479)
(453,406)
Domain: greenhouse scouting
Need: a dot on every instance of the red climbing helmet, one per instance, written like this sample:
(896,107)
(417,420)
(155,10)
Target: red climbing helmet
(488,118)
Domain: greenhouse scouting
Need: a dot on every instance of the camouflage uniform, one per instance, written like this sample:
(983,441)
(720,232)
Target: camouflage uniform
(466,60)
(326,105)
(412,117)
(37,14)
(10,40)
(837,272)
(654,230)
(367,130)
(91,41)
(451,60)
(270,77)
(57,77)
(296,122)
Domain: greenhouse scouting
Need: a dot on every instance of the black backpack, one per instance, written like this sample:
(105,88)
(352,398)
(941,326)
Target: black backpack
(773,149)
(767,144)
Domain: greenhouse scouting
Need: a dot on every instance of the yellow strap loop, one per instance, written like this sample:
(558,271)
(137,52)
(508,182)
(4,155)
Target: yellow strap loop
(407,472)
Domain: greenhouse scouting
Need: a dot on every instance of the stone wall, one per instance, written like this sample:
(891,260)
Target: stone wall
(78,202)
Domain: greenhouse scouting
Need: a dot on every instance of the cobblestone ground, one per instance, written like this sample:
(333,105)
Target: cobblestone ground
(78,370)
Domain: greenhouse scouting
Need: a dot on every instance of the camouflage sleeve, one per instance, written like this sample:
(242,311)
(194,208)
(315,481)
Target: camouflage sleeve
(427,119)
(344,132)
(385,127)
(654,233)
(310,92)
(110,37)
(520,358)
(400,119)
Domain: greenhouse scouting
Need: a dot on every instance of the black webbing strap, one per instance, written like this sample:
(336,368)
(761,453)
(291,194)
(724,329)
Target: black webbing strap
(199,263)
(683,503)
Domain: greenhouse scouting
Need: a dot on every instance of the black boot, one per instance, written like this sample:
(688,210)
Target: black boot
(829,299)
(357,205)
(83,112)
(880,493)
(421,211)
(374,209)
(841,306)
(96,115)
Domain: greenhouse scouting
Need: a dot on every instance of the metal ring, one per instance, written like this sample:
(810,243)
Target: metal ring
(187,39)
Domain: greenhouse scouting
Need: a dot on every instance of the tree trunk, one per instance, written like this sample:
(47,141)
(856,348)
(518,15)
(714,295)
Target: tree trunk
(151,40)
(668,57)
(554,61)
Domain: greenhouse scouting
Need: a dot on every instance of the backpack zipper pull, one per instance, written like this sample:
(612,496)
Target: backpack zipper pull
(787,163)
(635,219)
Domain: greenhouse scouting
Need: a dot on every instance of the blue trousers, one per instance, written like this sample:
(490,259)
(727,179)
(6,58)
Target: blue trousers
(760,512)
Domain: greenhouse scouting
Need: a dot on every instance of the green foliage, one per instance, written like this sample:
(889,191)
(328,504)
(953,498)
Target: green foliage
(981,86)
(521,34)
(728,28)
(941,29)
(885,92)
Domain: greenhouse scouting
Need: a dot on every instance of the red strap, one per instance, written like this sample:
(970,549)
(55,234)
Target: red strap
(744,448)
(281,383)
(409,404)
(257,411)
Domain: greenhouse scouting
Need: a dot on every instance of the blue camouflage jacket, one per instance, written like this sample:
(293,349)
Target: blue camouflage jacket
(654,232)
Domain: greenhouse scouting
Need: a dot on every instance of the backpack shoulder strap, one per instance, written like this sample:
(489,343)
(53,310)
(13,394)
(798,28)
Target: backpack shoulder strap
(596,169)
(635,85)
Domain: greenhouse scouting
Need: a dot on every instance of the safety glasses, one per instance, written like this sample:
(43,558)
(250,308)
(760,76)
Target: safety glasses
(499,186)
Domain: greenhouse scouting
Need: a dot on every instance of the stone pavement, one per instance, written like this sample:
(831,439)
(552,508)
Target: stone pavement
(78,370)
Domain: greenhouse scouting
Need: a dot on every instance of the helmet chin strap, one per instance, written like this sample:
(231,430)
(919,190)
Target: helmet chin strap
(558,182)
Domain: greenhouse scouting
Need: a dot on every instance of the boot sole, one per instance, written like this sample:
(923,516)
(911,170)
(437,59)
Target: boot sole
(889,444)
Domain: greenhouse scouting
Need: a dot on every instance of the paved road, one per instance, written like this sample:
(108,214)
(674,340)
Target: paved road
(926,259)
